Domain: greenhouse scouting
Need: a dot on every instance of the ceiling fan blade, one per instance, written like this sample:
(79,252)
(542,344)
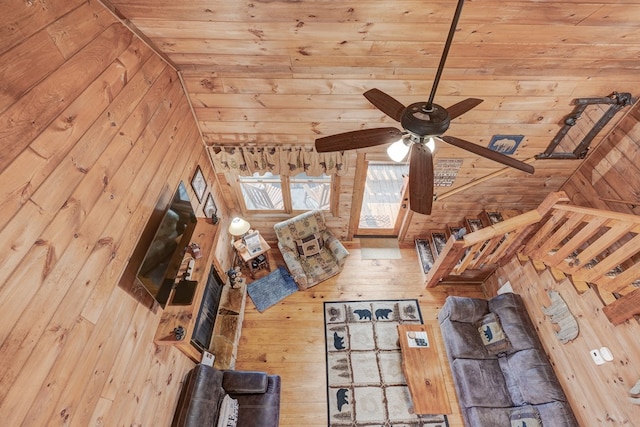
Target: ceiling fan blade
(462,107)
(421,179)
(489,154)
(385,103)
(445,52)
(358,139)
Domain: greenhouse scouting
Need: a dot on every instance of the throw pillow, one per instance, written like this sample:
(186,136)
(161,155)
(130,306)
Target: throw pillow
(310,245)
(525,416)
(228,413)
(492,334)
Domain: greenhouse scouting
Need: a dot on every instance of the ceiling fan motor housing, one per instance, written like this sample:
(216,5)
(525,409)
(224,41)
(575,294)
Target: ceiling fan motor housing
(422,121)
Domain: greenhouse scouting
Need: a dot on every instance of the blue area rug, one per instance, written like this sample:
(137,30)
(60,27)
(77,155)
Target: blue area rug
(271,289)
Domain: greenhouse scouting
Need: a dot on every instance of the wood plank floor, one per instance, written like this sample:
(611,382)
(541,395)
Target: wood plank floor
(288,339)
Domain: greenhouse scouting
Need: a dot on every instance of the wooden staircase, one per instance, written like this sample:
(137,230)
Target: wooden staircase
(593,248)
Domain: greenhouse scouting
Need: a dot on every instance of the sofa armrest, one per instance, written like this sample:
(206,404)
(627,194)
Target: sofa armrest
(290,258)
(260,410)
(199,398)
(463,309)
(336,247)
(245,382)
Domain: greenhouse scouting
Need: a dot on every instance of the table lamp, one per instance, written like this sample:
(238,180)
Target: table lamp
(238,227)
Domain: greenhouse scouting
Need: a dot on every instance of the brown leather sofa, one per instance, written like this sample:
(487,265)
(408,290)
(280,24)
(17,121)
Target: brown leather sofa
(258,395)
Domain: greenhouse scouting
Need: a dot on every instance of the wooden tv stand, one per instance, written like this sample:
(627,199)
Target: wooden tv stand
(224,342)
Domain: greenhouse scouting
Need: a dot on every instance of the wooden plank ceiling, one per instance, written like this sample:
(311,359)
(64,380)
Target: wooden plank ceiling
(287,72)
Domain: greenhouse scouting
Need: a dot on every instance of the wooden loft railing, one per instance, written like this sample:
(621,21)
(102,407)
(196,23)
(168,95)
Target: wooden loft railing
(486,248)
(601,248)
(596,247)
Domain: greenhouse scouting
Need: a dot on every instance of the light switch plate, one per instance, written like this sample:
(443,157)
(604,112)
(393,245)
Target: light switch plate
(596,356)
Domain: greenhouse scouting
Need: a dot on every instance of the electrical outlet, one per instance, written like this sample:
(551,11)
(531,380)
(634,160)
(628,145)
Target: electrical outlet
(208,358)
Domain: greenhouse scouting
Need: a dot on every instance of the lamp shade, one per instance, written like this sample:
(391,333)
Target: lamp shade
(431,144)
(238,226)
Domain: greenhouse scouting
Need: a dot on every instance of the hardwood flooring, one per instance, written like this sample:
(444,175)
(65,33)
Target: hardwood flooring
(288,338)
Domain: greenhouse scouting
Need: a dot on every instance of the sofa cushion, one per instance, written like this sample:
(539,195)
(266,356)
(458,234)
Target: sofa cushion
(299,226)
(474,378)
(492,335)
(320,267)
(534,376)
(310,245)
(478,416)
(556,414)
(515,321)
(228,414)
(260,409)
(525,416)
(511,380)
(462,341)
(463,309)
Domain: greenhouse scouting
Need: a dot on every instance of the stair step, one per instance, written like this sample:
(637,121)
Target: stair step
(557,274)
(474,224)
(539,265)
(581,286)
(426,257)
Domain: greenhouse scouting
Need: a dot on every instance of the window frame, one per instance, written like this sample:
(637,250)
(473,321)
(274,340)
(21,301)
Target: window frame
(285,183)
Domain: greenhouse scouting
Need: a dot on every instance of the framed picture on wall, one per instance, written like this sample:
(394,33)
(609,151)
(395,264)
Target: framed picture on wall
(198,184)
(210,208)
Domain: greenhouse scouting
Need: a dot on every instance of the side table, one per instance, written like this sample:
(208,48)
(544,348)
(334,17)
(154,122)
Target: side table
(255,261)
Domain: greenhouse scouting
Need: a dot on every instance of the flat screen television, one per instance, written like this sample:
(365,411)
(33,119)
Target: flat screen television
(164,254)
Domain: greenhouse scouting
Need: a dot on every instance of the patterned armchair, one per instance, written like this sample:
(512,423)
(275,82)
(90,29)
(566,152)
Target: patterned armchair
(312,253)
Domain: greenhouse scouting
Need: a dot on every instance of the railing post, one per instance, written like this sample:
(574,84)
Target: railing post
(446,261)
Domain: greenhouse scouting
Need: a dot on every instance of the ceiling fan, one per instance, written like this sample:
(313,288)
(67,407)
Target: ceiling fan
(421,121)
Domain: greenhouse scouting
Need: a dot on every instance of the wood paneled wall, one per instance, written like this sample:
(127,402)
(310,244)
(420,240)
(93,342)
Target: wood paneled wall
(94,127)
(610,177)
(288,72)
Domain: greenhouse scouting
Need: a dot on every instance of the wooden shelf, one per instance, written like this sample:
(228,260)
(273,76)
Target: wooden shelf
(185,315)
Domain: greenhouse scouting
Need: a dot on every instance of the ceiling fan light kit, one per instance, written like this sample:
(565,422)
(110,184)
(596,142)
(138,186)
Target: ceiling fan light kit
(399,150)
(422,122)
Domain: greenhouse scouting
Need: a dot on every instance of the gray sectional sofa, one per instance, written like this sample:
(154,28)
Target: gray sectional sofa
(509,384)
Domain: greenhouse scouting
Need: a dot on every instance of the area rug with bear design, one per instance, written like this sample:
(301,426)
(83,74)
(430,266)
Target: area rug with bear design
(365,383)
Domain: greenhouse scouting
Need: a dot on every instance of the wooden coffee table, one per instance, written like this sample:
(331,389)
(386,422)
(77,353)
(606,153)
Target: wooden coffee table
(422,370)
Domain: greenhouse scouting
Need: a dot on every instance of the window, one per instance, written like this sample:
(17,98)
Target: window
(270,192)
(310,192)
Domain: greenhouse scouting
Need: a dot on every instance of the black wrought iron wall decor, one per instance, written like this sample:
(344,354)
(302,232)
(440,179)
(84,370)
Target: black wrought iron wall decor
(616,102)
